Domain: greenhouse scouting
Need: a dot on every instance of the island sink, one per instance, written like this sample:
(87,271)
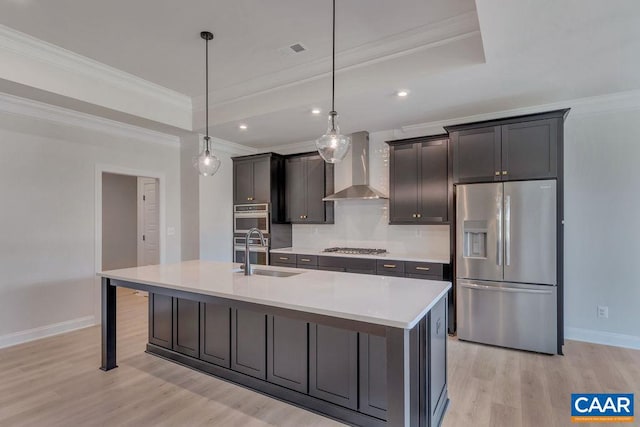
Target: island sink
(366,350)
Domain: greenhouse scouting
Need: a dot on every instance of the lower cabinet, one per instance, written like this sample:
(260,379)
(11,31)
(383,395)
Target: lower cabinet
(287,352)
(186,327)
(373,375)
(438,359)
(333,365)
(215,334)
(161,320)
(249,342)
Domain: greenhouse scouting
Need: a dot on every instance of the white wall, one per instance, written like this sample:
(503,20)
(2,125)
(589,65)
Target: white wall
(602,230)
(119,221)
(189,199)
(47,189)
(216,211)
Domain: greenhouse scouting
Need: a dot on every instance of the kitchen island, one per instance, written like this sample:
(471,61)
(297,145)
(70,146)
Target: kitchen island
(366,350)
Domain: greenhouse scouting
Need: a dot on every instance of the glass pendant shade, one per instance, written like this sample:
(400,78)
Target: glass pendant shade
(332,146)
(207,163)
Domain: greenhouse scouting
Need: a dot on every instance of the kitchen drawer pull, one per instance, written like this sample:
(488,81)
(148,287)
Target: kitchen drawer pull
(305,260)
(423,268)
(389,266)
(284,258)
(249,198)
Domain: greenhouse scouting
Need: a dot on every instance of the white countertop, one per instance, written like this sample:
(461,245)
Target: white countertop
(382,300)
(399,256)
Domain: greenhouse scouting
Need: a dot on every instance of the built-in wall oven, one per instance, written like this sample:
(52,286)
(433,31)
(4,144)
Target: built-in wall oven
(246,217)
(258,254)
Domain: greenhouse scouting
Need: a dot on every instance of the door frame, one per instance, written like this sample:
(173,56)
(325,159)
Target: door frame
(99,170)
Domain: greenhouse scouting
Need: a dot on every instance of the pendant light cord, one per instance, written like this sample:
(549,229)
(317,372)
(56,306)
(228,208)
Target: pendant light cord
(206,96)
(333,71)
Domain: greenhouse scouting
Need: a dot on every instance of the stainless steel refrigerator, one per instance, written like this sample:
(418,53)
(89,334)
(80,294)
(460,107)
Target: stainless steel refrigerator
(506,264)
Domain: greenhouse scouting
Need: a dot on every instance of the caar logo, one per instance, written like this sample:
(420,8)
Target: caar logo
(601,408)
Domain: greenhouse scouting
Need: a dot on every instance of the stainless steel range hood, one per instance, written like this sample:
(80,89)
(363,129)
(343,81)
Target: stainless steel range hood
(359,189)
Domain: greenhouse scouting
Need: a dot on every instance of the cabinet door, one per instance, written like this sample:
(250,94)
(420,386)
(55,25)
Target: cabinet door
(186,327)
(434,182)
(403,179)
(262,180)
(530,150)
(249,343)
(373,375)
(215,334)
(315,190)
(333,365)
(295,185)
(287,355)
(242,182)
(438,360)
(476,155)
(161,320)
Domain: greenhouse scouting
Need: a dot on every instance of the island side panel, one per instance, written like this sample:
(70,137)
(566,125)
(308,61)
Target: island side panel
(403,376)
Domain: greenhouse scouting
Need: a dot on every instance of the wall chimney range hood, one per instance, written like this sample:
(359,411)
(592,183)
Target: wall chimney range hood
(359,189)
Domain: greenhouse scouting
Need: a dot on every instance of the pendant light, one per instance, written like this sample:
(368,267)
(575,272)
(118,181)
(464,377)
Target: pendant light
(333,146)
(207,163)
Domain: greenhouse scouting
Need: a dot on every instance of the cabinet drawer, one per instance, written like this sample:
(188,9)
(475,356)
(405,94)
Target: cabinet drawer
(390,268)
(307,261)
(283,259)
(423,268)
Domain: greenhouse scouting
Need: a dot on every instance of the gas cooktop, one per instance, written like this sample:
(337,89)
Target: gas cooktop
(356,251)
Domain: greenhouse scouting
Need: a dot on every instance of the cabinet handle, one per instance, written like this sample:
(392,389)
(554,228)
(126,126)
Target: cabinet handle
(423,268)
(389,266)
(250,198)
(284,258)
(497,173)
(414,215)
(419,215)
(301,216)
(504,172)
(305,260)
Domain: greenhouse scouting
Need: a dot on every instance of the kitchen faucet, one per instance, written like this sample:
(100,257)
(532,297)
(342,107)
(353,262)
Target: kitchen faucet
(247,261)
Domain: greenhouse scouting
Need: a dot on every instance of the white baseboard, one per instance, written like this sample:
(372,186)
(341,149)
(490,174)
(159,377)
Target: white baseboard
(46,331)
(600,337)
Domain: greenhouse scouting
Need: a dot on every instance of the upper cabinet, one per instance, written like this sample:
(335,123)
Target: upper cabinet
(308,180)
(419,181)
(517,148)
(260,179)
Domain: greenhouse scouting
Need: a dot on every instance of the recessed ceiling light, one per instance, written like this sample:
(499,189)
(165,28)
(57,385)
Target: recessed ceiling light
(402,93)
(316,111)
(242,127)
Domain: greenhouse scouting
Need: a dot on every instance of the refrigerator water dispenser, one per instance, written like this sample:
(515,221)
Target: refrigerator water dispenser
(475,239)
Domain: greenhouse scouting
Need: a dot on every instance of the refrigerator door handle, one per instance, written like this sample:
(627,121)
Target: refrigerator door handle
(504,289)
(507,230)
(499,240)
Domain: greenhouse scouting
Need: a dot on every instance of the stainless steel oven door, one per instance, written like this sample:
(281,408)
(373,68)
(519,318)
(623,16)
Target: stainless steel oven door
(258,255)
(243,222)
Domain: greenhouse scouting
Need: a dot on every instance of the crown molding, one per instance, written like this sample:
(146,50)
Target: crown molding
(384,49)
(39,110)
(619,101)
(229,147)
(27,46)
(296,147)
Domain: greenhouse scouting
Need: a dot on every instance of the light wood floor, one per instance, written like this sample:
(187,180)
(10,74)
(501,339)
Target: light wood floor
(56,382)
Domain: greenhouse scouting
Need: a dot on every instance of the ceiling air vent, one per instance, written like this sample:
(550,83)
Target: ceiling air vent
(297,48)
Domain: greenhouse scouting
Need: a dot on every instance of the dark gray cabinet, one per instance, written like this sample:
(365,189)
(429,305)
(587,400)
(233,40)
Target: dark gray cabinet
(287,352)
(333,365)
(252,180)
(161,320)
(308,180)
(249,342)
(349,265)
(373,375)
(186,326)
(516,148)
(438,359)
(215,334)
(419,181)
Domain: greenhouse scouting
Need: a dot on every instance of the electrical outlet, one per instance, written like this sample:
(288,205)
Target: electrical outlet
(603,312)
